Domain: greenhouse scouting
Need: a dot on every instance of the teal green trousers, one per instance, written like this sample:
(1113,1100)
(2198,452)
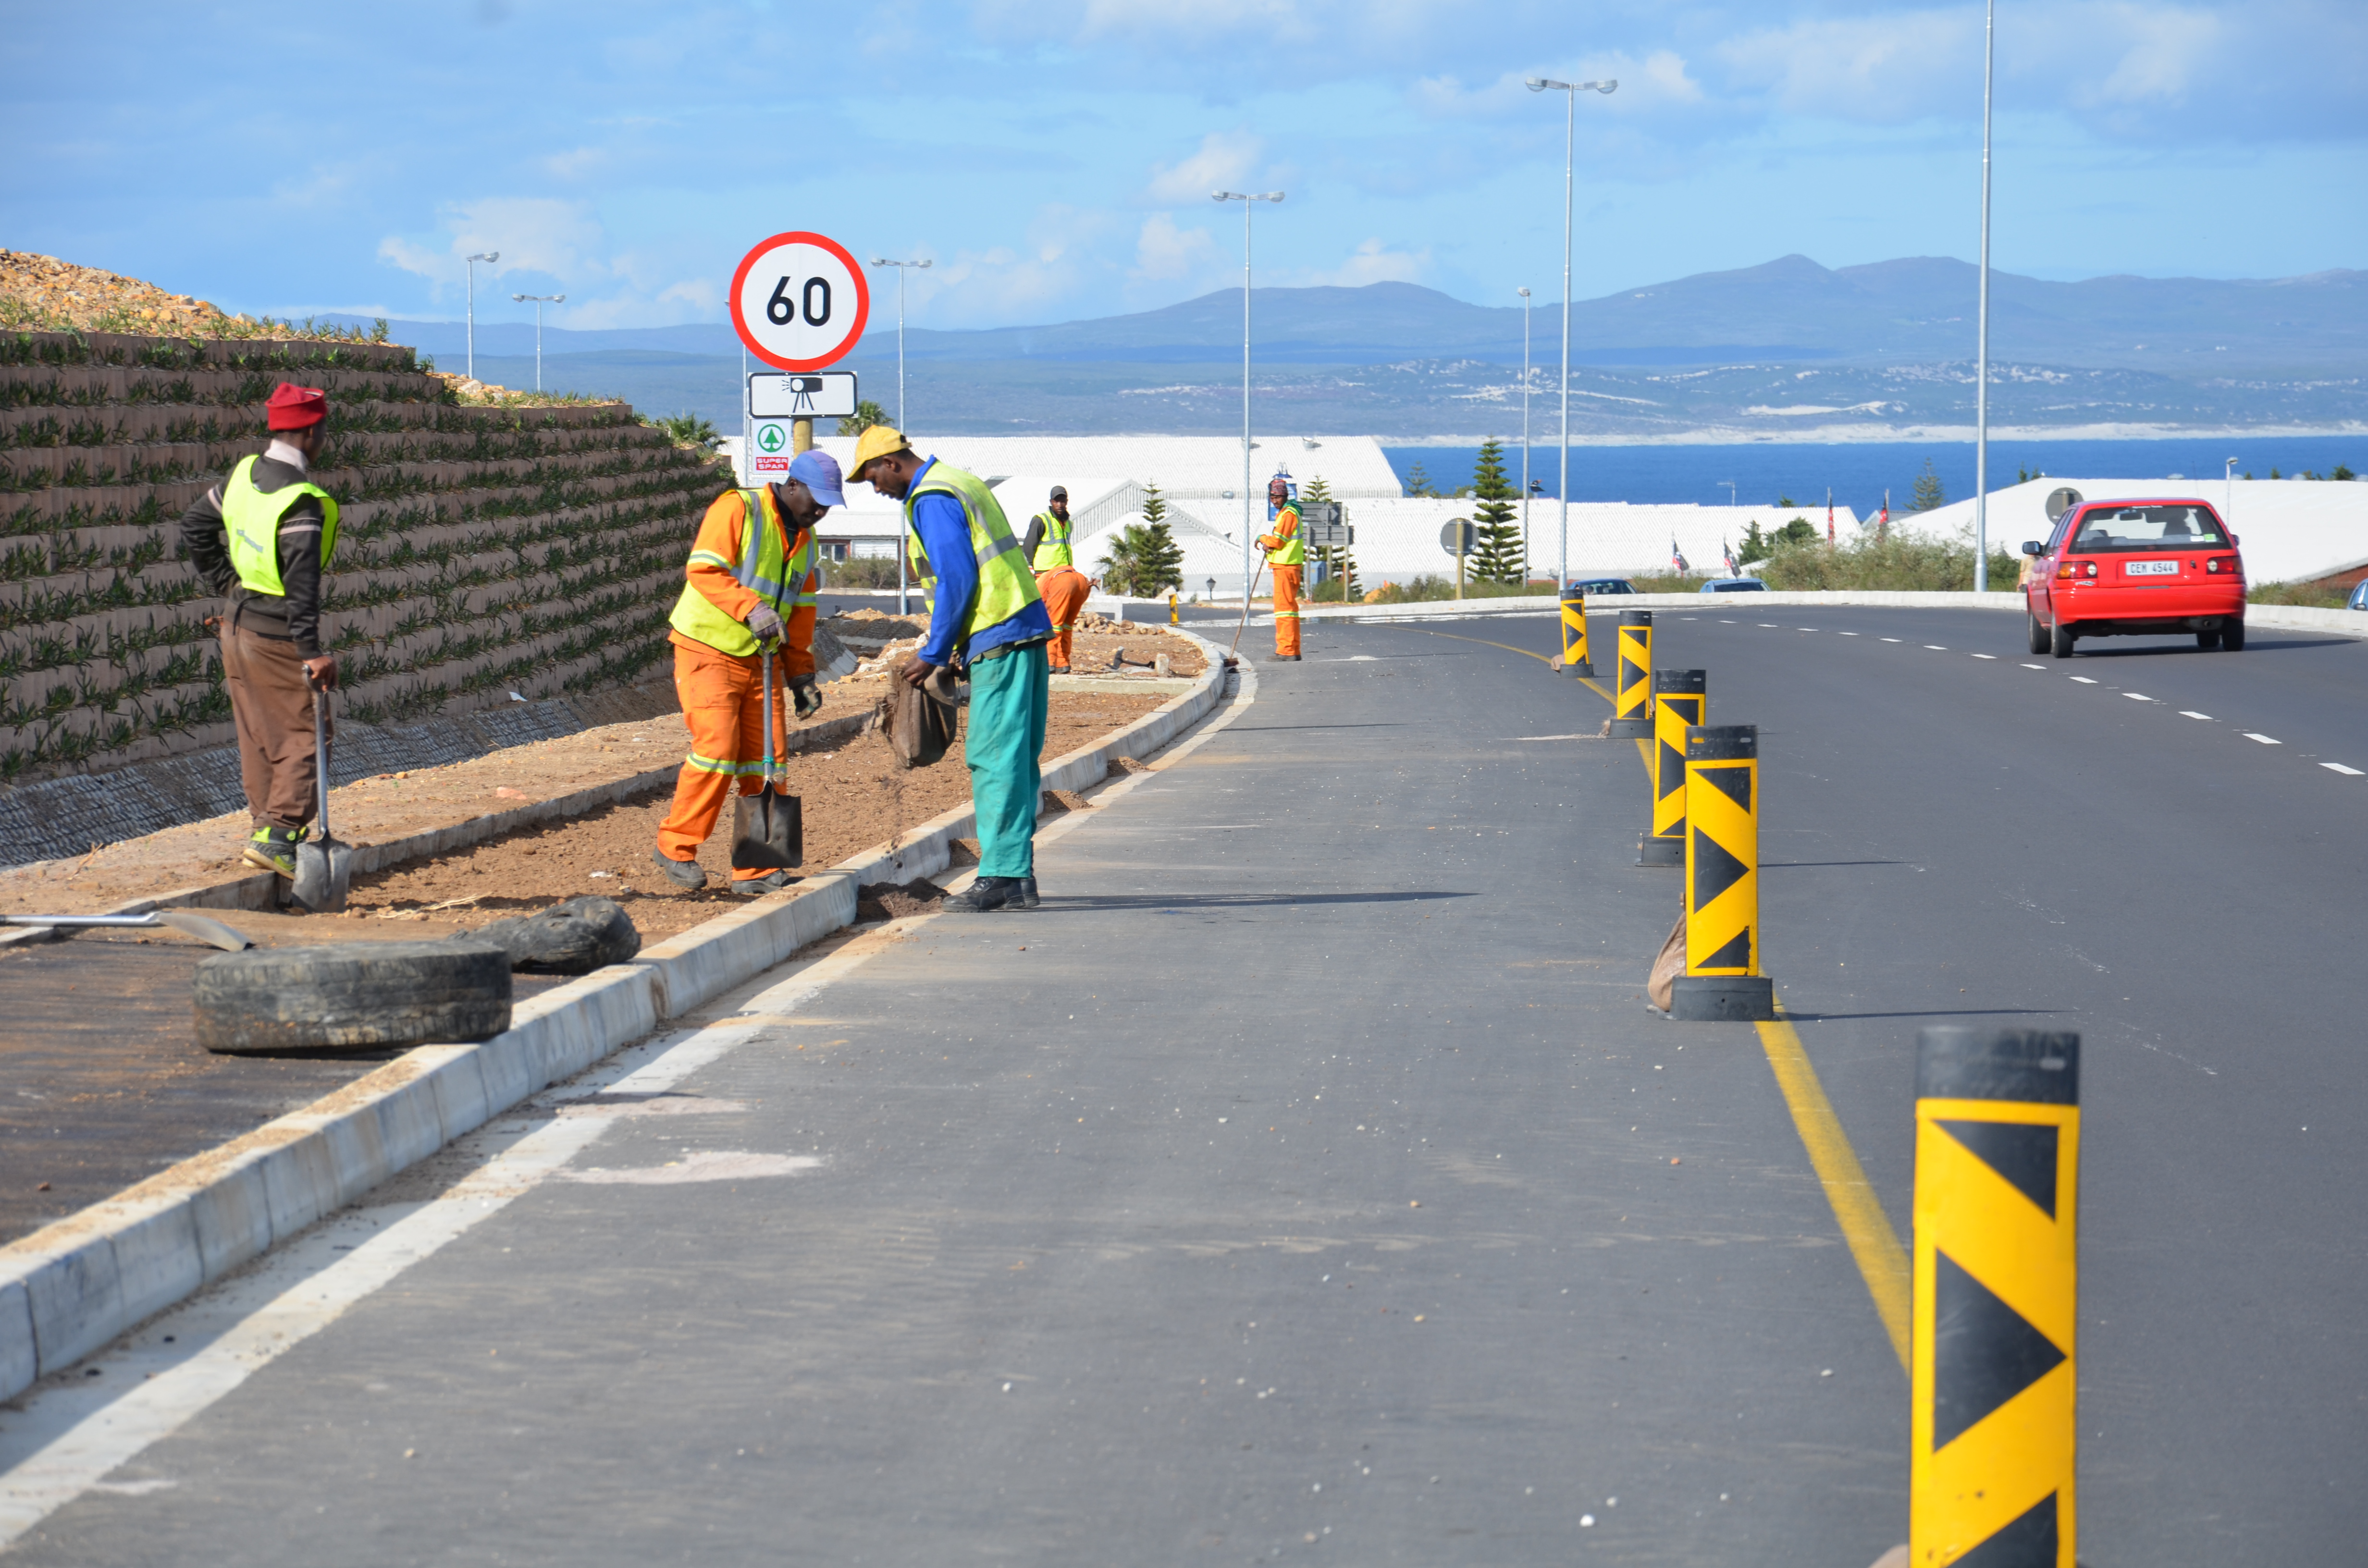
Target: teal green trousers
(1008,701)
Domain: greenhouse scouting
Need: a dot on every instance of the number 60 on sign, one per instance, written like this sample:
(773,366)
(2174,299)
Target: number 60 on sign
(800,301)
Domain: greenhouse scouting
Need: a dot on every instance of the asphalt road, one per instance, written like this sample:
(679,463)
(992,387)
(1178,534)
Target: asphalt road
(1306,1179)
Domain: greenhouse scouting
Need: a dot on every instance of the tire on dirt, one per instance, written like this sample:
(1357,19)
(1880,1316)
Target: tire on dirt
(576,937)
(351,997)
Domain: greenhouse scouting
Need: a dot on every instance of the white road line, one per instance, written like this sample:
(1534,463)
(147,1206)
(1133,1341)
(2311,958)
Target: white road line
(1804,628)
(2265,740)
(2339,767)
(2137,697)
(1985,656)
(1845,633)
(1936,647)
(1772,626)
(1891,639)
(2034,666)
(2084,680)
(2192,714)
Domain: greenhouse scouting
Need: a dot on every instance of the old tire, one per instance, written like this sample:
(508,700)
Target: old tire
(572,937)
(351,997)
(2038,636)
(2232,635)
(2059,641)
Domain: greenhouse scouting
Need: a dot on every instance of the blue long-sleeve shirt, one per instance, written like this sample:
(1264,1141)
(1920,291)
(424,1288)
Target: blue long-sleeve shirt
(938,518)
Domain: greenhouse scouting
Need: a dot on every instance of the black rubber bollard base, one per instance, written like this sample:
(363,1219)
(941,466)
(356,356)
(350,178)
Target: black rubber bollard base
(1632,729)
(1651,851)
(1723,998)
(1583,667)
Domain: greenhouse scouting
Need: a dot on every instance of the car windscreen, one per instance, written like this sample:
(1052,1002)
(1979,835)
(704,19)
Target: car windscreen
(2104,530)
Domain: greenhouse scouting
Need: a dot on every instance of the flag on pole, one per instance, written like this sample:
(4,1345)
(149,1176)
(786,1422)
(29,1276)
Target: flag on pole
(1728,550)
(1884,521)
(1829,516)
(1677,556)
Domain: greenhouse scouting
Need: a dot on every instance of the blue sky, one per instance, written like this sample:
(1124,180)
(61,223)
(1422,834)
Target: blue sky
(1053,158)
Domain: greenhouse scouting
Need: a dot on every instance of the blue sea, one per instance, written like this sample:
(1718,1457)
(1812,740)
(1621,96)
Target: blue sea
(1859,473)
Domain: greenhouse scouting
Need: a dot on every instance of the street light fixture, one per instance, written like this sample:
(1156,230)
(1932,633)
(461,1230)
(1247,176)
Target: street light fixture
(1250,533)
(1569,145)
(489,257)
(1524,293)
(902,268)
(540,300)
(2228,494)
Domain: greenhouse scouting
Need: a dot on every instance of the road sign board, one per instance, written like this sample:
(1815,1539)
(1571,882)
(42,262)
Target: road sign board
(1458,537)
(799,301)
(1321,525)
(821,394)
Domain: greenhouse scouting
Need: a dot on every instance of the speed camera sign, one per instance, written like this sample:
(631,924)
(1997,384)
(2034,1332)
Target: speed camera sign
(799,301)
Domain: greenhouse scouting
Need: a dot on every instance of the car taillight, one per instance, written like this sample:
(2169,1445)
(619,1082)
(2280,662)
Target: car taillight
(2076,569)
(2221,564)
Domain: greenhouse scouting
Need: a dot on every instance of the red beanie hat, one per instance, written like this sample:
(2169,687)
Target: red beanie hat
(293,407)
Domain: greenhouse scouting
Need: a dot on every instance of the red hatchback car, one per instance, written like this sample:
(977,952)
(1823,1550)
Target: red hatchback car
(2135,568)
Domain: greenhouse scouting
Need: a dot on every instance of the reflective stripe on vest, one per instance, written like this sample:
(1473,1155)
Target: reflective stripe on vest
(1005,585)
(1053,549)
(762,569)
(251,520)
(1292,550)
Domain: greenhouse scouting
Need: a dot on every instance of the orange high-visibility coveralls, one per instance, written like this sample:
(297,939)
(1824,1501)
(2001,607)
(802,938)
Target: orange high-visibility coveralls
(720,701)
(1286,579)
(1064,591)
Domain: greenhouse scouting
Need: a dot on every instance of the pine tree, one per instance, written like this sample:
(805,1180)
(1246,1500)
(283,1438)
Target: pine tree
(1417,482)
(867,414)
(1498,557)
(1144,557)
(1928,495)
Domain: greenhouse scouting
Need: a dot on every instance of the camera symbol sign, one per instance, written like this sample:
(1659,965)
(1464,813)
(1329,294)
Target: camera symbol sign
(800,301)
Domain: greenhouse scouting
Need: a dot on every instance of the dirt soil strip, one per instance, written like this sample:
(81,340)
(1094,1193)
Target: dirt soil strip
(107,1086)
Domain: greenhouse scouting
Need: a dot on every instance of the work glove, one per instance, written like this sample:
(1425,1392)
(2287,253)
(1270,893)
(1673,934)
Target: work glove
(766,622)
(806,696)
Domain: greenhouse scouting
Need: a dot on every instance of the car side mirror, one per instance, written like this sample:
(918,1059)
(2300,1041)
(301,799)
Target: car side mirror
(2033,546)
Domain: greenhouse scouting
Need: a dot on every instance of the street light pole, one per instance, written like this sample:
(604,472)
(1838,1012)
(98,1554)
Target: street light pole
(1250,533)
(539,302)
(904,553)
(1569,145)
(1982,354)
(489,257)
(1524,293)
(2228,494)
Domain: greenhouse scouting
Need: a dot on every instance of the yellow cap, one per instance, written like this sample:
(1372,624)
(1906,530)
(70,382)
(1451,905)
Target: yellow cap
(879,441)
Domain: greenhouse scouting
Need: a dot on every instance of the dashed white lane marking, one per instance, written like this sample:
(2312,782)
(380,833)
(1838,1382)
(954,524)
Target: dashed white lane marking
(2265,740)
(2034,666)
(1845,633)
(1936,647)
(2192,714)
(1891,639)
(2339,767)
(2084,680)
(2137,697)
(1772,626)
(1985,656)
(1804,628)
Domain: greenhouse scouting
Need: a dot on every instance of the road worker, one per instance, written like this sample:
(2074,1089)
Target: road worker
(1285,550)
(1058,582)
(262,539)
(749,588)
(986,615)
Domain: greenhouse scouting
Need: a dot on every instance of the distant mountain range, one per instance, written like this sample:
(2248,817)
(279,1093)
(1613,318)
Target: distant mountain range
(1399,358)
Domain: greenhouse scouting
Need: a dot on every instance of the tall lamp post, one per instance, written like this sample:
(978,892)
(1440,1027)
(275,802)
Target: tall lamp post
(1569,145)
(489,257)
(540,300)
(2228,494)
(903,551)
(1524,293)
(1250,531)
(1982,353)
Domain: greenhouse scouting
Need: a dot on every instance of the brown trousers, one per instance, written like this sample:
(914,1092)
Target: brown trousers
(272,707)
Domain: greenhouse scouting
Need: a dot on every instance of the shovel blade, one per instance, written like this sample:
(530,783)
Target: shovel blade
(324,872)
(768,832)
(205,929)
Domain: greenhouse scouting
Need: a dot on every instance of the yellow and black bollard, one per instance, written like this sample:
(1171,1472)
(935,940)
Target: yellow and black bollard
(1679,704)
(1992,1372)
(1573,661)
(1172,618)
(1632,703)
(1722,977)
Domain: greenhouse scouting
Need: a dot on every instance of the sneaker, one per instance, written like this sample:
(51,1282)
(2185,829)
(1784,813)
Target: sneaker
(757,887)
(274,849)
(1060,669)
(684,874)
(1027,899)
(986,893)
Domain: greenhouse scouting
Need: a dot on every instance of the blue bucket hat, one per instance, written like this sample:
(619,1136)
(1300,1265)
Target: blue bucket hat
(818,472)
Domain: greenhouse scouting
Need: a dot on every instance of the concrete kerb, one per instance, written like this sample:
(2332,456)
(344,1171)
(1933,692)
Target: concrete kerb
(74,1287)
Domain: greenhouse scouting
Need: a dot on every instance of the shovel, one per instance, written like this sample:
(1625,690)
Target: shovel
(768,827)
(325,868)
(204,928)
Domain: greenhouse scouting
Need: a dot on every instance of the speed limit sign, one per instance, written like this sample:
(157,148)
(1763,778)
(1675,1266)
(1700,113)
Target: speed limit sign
(799,301)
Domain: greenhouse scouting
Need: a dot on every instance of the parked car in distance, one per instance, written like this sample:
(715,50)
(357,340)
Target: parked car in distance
(2358,599)
(2141,568)
(1591,586)
(1735,585)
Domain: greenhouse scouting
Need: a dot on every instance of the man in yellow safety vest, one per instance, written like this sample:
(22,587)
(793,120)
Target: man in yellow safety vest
(1285,551)
(1063,588)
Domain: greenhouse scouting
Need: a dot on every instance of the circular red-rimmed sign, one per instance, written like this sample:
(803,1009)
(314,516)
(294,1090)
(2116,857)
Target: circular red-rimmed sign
(800,301)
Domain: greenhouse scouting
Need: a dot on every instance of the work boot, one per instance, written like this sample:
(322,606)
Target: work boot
(986,893)
(1027,899)
(1286,658)
(274,849)
(757,887)
(684,874)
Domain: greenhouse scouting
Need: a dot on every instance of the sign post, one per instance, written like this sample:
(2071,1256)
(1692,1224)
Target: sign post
(1459,537)
(799,302)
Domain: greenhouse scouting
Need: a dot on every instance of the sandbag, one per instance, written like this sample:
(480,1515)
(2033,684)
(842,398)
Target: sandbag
(920,720)
(576,937)
(351,997)
(1670,963)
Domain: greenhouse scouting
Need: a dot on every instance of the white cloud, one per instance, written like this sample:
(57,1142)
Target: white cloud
(529,234)
(2165,50)
(1225,161)
(1163,251)
(1881,68)
(1374,262)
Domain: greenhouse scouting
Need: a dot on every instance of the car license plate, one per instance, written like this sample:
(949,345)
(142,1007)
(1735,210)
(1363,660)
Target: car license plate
(2152,569)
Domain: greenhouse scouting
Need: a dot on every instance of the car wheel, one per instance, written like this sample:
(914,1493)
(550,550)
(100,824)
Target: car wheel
(2232,636)
(2038,636)
(2060,642)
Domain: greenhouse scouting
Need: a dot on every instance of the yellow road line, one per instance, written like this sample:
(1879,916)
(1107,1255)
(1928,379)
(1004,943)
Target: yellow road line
(1864,1225)
(1583,680)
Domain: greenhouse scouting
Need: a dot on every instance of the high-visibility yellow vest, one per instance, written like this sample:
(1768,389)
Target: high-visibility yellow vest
(252,520)
(764,568)
(1292,550)
(1053,549)
(1005,585)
